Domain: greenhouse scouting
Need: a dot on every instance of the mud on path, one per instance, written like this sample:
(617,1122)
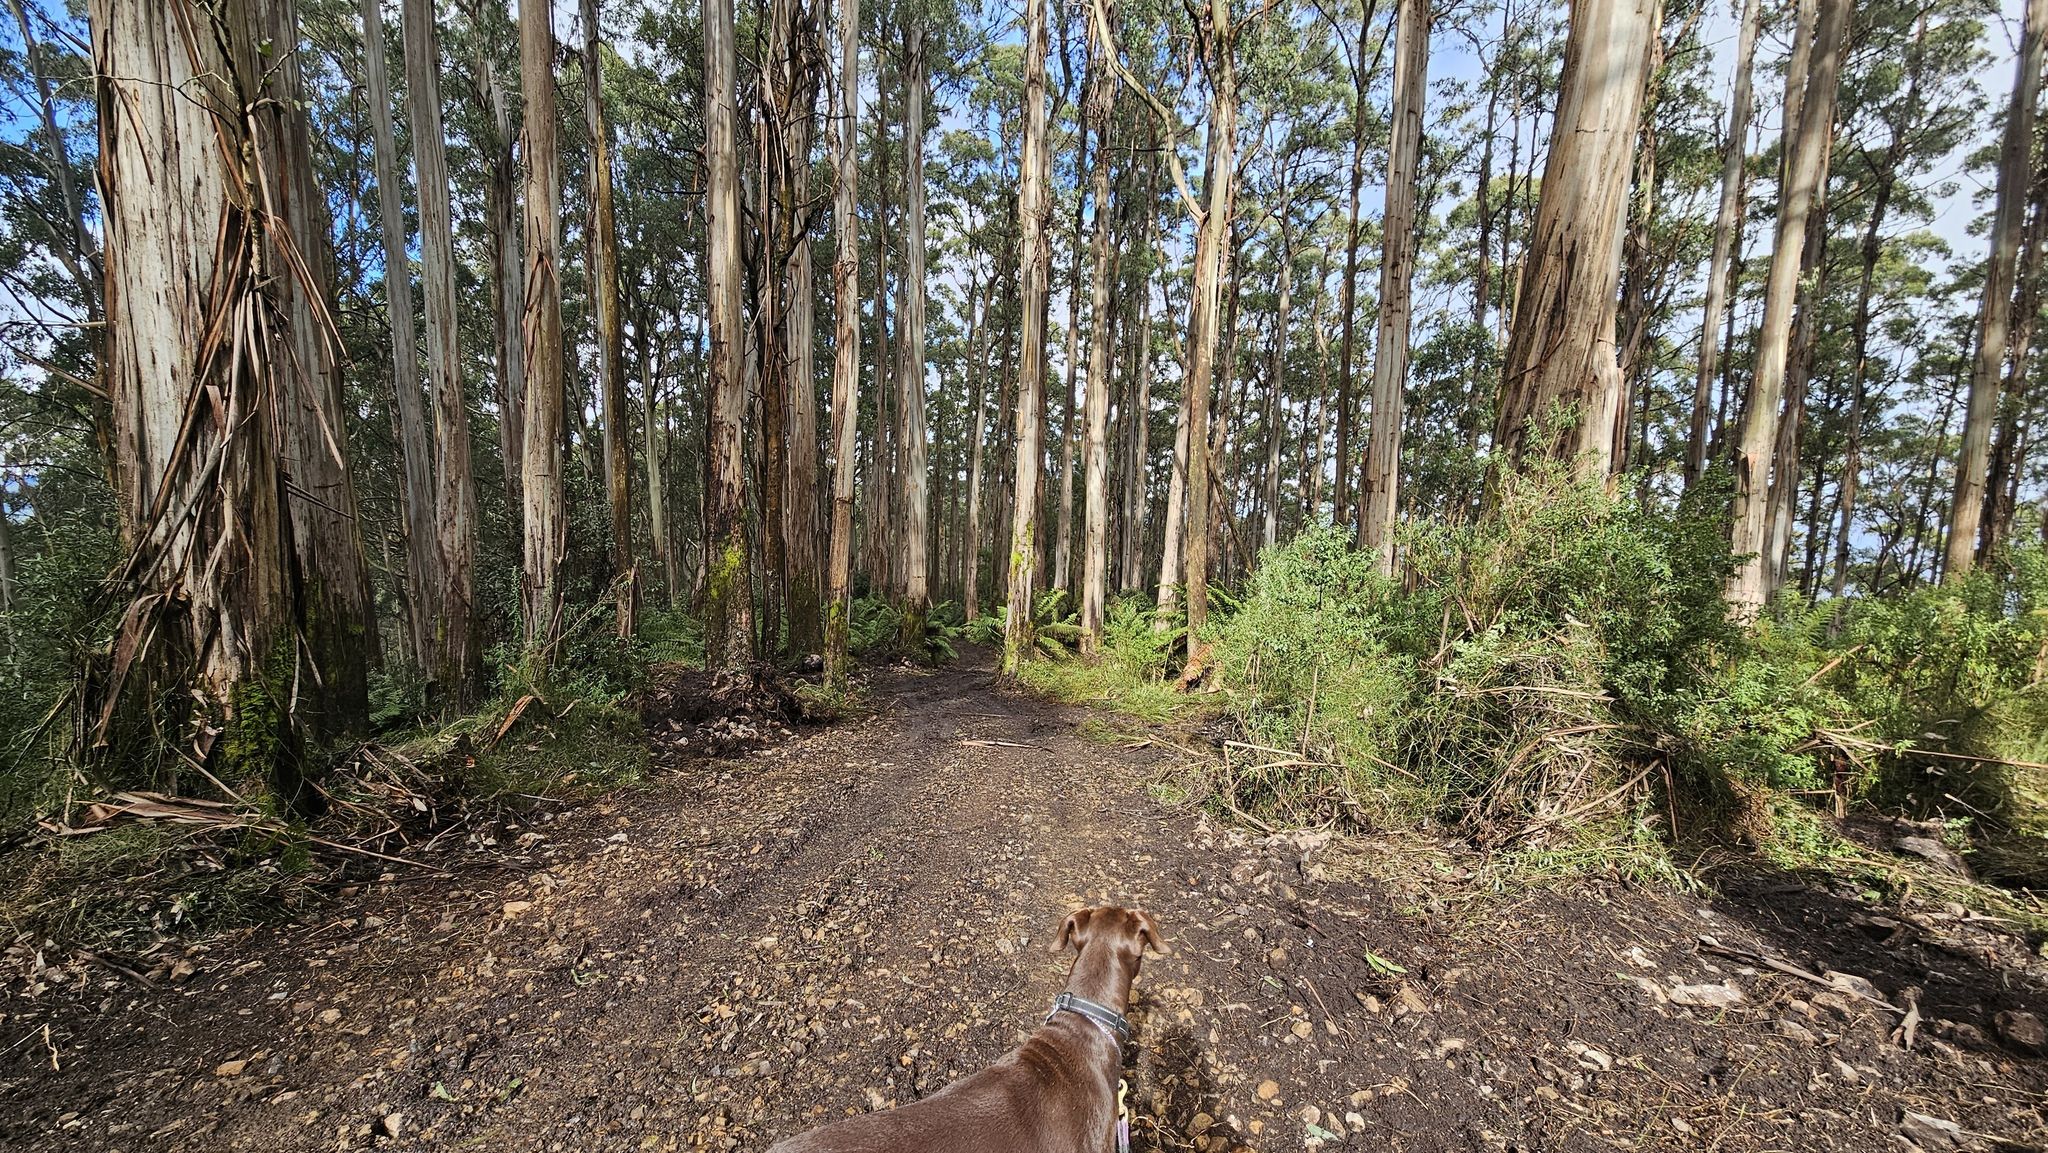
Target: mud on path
(856,916)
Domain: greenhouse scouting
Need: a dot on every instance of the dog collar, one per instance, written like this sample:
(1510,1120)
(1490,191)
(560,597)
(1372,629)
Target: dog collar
(1105,1018)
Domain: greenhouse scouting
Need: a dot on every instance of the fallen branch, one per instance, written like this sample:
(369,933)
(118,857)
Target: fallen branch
(1776,965)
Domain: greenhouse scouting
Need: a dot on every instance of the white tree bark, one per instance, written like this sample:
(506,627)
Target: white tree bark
(1099,108)
(1995,319)
(1033,208)
(546,528)
(1561,357)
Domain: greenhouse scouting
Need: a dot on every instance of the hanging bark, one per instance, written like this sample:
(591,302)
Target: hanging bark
(219,352)
(602,245)
(546,527)
(1379,495)
(1562,392)
(916,600)
(1995,323)
(339,626)
(422,568)
(846,347)
(1727,227)
(1033,255)
(1748,586)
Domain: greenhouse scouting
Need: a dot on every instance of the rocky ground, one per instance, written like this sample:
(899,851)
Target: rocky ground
(850,918)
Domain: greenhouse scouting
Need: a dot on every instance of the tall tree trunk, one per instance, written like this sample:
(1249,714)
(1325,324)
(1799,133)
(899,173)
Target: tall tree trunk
(220,361)
(1136,497)
(1063,541)
(1213,234)
(729,590)
(1748,586)
(455,652)
(653,420)
(1379,496)
(338,629)
(910,344)
(1320,330)
(2015,411)
(415,474)
(802,531)
(765,384)
(883,499)
(1174,518)
(546,528)
(1354,233)
(603,248)
(1727,227)
(501,205)
(1099,109)
(1562,392)
(1276,387)
(846,347)
(1033,255)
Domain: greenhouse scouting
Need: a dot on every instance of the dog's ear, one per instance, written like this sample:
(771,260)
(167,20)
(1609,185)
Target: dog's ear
(1149,935)
(1069,933)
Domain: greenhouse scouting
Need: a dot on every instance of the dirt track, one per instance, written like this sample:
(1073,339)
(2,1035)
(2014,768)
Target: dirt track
(851,919)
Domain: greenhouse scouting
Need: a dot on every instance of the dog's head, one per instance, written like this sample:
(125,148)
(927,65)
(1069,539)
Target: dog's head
(1127,932)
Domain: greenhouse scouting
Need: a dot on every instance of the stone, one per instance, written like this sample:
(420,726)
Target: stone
(1794,1031)
(1853,985)
(1268,1090)
(1706,996)
(2021,1030)
(1931,1133)
(230,1068)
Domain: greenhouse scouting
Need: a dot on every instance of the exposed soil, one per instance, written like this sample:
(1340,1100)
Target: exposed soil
(853,916)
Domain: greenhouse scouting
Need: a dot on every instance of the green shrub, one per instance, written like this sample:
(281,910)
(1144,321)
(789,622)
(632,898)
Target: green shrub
(1531,675)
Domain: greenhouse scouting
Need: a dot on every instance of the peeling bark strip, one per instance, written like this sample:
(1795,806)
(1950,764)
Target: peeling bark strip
(1561,351)
(220,359)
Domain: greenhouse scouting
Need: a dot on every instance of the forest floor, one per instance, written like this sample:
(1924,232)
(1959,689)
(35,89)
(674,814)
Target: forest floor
(848,919)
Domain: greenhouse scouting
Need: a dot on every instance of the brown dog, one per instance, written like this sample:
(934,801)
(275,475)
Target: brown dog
(1056,1093)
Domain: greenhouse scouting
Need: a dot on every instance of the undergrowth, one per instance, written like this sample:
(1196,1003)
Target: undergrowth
(1560,682)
